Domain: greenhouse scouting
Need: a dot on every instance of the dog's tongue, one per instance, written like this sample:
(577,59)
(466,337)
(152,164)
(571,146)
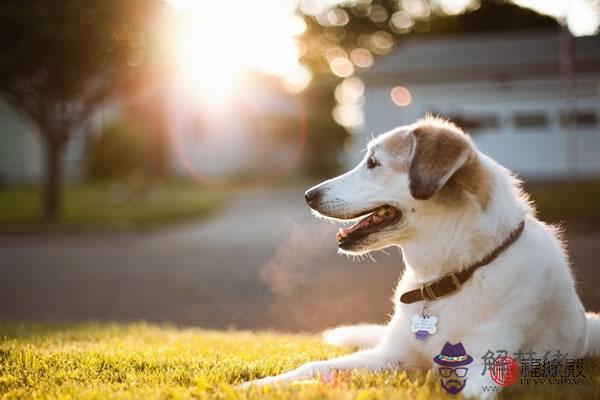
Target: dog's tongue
(374,218)
(345,232)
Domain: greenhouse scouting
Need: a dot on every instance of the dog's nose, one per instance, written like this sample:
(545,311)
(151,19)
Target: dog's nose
(312,195)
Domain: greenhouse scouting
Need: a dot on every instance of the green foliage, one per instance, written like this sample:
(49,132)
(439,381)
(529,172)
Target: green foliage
(120,151)
(61,59)
(323,141)
(363,20)
(324,137)
(572,200)
(324,146)
(492,16)
(141,361)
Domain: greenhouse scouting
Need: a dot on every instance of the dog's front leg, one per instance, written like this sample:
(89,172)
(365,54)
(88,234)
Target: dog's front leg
(368,360)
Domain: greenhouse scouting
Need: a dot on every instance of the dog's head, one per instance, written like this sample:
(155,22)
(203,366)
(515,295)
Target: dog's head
(411,171)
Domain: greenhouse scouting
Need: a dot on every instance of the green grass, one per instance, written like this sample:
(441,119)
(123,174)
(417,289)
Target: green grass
(140,361)
(109,206)
(567,200)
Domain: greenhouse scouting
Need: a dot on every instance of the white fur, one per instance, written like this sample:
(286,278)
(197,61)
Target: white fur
(523,300)
(363,335)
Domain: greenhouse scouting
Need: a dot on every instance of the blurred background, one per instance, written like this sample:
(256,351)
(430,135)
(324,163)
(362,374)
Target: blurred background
(154,153)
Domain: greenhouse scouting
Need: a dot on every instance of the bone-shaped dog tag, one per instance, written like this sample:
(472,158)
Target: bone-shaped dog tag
(423,325)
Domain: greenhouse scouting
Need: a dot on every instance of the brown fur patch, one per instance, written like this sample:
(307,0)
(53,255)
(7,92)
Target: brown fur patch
(439,144)
(437,150)
(472,178)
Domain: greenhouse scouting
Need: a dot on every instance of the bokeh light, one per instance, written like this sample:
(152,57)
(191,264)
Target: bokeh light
(334,17)
(378,14)
(350,117)
(335,52)
(348,112)
(381,42)
(401,96)
(312,7)
(416,8)
(362,58)
(350,91)
(342,67)
(299,80)
(401,22)
(453,7)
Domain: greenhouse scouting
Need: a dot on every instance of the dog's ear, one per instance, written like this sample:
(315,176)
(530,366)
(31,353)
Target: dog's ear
(437,153)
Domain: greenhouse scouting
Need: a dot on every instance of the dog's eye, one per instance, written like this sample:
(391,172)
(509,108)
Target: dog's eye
(372,162)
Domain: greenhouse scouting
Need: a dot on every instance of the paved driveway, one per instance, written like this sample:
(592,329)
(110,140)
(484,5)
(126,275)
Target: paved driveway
(264,262)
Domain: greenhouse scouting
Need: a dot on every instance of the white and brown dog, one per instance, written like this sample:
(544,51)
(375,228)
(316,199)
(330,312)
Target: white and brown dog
(476,257)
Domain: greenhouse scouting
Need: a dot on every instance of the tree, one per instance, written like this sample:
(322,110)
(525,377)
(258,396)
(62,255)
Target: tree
(368,25)
(61,60)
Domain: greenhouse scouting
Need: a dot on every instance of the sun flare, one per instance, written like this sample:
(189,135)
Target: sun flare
(217,43)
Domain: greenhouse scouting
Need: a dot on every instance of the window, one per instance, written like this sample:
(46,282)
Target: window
(579,118)
(534,120)
(473,123)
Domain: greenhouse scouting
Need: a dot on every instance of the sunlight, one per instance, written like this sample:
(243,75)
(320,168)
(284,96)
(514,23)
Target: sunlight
(218,43)
(581,16)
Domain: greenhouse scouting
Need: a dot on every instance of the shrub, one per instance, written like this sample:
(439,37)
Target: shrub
(120,151)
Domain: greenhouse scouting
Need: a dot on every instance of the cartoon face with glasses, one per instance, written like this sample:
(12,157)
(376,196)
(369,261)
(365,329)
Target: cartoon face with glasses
(452,360)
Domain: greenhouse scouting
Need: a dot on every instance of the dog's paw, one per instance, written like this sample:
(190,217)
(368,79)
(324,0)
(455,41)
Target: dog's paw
(311,370)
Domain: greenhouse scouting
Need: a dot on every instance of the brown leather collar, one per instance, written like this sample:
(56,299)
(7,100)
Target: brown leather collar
(452,283)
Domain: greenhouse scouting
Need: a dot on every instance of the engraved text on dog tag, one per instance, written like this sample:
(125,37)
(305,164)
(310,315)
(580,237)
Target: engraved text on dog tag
(423,325)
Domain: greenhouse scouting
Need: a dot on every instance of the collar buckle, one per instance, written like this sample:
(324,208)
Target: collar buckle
(456,282)
(427,292)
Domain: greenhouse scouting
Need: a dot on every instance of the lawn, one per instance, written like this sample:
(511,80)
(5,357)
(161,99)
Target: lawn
(118,207)
(567,200)
(109,207)
(144,361)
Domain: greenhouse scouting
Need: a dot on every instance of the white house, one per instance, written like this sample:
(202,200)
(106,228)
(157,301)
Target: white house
(531,100)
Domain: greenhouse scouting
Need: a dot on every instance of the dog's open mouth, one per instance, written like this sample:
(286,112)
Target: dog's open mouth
(372,221)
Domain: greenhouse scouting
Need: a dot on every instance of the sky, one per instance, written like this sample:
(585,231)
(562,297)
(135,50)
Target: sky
(581,16)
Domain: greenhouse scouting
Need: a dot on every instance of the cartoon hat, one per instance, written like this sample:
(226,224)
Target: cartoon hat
(453,355)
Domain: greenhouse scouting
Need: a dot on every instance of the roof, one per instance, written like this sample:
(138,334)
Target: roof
(461,57)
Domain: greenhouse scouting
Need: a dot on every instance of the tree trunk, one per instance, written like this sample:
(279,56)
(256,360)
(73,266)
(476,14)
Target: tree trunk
(52,189)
